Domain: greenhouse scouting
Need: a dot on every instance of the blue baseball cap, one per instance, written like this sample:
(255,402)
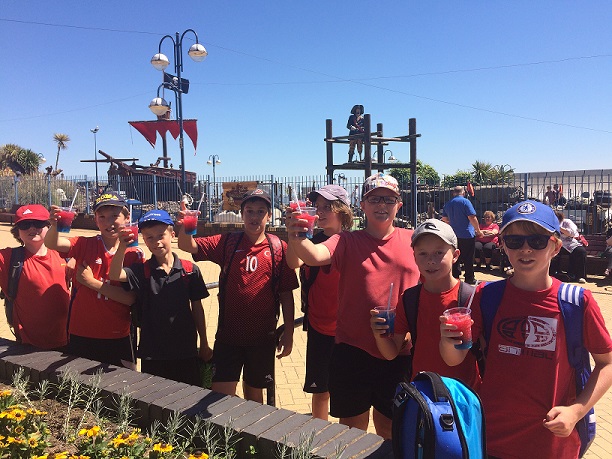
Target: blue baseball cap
(532,211)
(156,215)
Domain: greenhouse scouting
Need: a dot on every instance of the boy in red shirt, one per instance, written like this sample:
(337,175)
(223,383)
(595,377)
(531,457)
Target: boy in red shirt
(435,250)
(99,322)
(245,339)
(529,391)
(40,307)
(368,262)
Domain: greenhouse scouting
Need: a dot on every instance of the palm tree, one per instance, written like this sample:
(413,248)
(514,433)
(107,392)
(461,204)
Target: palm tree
(482,172)
(62,143)
(19,159)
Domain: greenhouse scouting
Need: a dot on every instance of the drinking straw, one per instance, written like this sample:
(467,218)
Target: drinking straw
(130,214)
(390,295)
(469,305)
(297,201)
(74,199)
(200,203)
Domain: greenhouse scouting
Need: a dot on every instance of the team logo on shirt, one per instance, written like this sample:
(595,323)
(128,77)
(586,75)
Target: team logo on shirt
(539,333)
(98,261)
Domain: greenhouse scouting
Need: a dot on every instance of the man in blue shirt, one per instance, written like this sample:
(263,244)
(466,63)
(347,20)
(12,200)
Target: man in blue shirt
(461,216)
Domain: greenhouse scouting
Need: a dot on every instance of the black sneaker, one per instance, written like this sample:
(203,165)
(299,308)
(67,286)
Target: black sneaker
(488,268)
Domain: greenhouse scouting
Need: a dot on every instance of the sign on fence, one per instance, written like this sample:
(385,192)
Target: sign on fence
(233,193)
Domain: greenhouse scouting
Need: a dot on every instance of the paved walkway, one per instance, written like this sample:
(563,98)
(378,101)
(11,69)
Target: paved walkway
(290,370)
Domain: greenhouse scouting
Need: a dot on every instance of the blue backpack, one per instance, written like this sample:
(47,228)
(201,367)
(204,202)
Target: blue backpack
(571,304)
(437,417)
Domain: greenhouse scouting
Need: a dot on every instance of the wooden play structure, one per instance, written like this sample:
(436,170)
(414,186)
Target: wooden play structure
(377,138)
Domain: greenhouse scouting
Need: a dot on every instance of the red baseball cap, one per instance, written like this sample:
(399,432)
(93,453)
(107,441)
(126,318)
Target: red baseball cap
(31,212)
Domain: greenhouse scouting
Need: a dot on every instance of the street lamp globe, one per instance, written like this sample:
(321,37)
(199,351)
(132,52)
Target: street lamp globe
(217,161)
(159,106)
(160,61)
(197,52)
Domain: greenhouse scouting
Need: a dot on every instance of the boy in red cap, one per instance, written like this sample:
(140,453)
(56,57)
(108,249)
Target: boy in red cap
(40,306)
(99,323)
(252,288)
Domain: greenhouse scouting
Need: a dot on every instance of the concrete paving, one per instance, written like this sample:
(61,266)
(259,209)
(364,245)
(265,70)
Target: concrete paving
(290,370)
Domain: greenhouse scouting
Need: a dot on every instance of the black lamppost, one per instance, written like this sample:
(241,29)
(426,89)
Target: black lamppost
(178,85)
(213,160)
(95,132)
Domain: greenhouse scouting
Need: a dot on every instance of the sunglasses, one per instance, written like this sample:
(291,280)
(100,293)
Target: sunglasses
(535,241)
(27,224)
(385,199)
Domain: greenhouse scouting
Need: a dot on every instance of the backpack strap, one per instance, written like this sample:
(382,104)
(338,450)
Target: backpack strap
(278,254)
(571,304)
(306,281)
(492,294)
(16,266)
(231,243)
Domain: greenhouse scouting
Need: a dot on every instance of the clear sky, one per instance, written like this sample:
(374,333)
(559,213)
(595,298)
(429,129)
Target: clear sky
(521,83)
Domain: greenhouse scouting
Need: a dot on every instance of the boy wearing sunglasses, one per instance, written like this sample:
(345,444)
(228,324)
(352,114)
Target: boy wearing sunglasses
(40,306)
(375,267)
(529,390)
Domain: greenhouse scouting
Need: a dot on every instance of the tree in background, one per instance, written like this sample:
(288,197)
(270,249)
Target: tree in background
(482,172)
(425,173)
(502,174)
(458,178)
(19,159)
(62,143)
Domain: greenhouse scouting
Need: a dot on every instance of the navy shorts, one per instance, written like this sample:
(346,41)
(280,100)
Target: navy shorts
(255,362)
(318,354)
(358,381)
(117,351)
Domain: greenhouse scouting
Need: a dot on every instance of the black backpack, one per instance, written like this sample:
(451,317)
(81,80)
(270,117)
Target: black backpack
(306,281)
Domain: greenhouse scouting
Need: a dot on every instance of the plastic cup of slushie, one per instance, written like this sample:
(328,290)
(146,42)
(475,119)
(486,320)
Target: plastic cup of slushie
(64,219)
(309,214)
(190,222)
(389,315)
(461,317)
(133,227)
(294,205)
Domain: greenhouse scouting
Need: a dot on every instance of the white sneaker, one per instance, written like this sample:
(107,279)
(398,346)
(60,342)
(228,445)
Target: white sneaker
(582,280)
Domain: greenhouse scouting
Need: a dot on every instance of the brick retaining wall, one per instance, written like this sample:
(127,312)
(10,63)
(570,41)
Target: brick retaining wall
(155,398)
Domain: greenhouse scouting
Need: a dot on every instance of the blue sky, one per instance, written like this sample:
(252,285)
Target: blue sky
(522,83)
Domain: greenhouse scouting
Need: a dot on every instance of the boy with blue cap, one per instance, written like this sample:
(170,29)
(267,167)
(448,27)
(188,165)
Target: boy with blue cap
(531,399)
(169,302)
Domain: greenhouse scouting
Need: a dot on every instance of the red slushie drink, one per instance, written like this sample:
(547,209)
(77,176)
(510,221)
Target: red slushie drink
(190,222)
(389,315)
(294,205)
(310,215)
(461,317)
(133,227)
(64,220)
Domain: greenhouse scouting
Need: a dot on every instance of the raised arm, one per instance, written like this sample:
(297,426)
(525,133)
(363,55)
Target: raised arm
(311,254)
(52,239)
(116,272)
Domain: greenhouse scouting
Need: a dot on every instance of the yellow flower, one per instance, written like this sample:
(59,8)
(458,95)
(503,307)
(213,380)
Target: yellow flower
(17,414)
(14,440)
(119,440)
(92,432)
(162,447)
(6,393)
(19,430)
(33,442)
(198,455)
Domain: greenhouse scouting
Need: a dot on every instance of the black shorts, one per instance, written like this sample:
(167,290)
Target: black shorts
(255,362)
(116,351)
(318,354)
(182,370)
(358,381)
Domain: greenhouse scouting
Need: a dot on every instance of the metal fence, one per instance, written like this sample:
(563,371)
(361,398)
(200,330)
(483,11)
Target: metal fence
(585,195)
